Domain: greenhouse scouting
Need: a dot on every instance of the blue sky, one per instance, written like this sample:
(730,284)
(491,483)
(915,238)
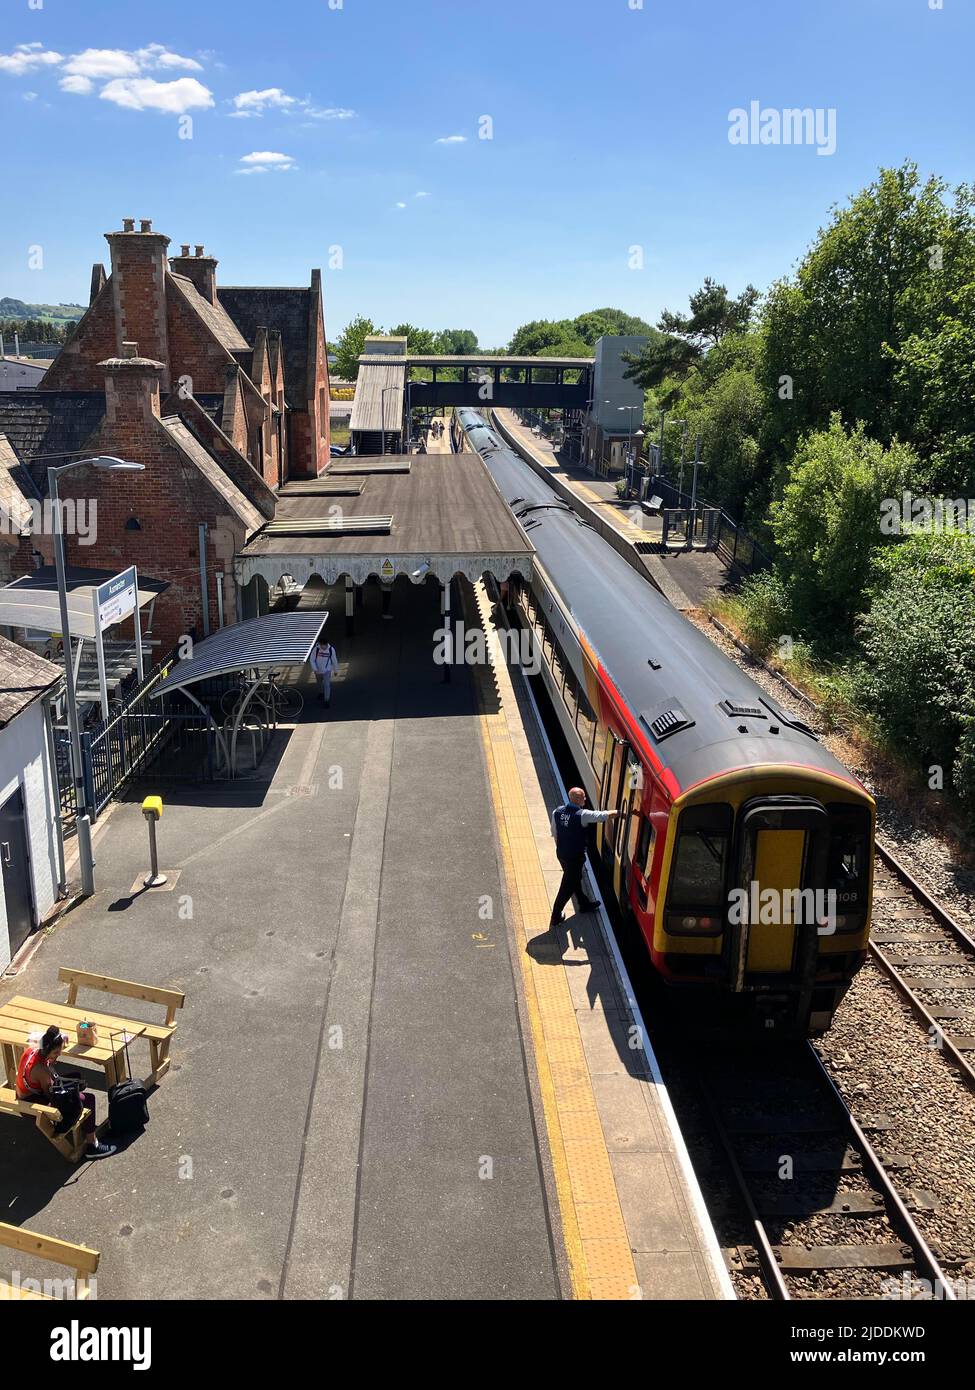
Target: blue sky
(610,131)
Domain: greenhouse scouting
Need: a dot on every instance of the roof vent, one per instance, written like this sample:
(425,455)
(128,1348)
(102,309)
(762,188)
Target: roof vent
(666,719)
(736,711)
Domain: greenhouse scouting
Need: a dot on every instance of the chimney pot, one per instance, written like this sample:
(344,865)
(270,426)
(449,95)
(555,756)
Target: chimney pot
(130,349)
(184,250)
(145,225)
(199,250)
(128,224)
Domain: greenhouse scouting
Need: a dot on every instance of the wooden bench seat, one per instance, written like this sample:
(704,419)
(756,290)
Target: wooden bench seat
(159,1035)
(83,1261)
(47,1117)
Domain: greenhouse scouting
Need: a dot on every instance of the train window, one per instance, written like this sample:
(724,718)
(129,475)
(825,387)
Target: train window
(633,839)
(698,876)
(848,864)
(644,852)
(616,780)
(569,694)
(599,753)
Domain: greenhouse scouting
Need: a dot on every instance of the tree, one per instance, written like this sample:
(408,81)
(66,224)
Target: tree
(419,341)
(687,337)
(827,524)
(349,347)
(853,331)
(455,342)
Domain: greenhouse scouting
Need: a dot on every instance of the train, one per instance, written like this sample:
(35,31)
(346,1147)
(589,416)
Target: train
(743,849)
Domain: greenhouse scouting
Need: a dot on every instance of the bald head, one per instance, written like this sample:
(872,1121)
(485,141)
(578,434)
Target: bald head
(577,796)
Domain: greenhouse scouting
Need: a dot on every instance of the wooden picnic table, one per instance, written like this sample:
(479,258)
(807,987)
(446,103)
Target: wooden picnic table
(21,1017)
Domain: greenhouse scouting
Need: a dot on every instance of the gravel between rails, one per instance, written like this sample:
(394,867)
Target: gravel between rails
(879,1056)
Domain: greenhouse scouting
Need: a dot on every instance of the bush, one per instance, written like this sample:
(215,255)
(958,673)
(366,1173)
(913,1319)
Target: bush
(919,641)
(762,611)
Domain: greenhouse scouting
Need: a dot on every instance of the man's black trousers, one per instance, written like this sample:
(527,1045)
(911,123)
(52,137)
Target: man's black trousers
(571,885)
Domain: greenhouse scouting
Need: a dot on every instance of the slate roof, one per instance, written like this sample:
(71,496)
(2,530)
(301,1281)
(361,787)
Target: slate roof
(215,316)
(192,449)
(284,308)
(24,678)
(49,422)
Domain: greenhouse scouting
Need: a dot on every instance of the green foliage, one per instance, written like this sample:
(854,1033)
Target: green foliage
(418,340)
(574,337)
(762,611)
(827,523)
(877,316)
(687,337)
(37,313)
(349,347)
(919,641)
(455,342)
(33,331)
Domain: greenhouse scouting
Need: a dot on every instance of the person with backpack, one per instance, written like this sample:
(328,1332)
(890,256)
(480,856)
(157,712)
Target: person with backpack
(36,1080)
(569,823)
(325,662)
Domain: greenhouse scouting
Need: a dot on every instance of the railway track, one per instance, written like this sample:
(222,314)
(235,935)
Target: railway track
(822,1214)
(929,958)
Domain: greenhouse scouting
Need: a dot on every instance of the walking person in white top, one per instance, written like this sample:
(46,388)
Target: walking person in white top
(324,662)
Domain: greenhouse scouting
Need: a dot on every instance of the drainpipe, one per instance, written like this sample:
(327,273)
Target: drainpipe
(52,756)
(204,586)
(220,598)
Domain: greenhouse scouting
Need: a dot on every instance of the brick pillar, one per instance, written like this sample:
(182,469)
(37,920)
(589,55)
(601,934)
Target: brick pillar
(202,270)
(139,291)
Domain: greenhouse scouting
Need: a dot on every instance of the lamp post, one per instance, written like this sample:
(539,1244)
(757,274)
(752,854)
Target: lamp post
(110,465)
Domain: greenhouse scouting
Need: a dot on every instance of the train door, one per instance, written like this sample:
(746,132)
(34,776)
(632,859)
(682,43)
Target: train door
(611,795)
(782,849)
(628,825)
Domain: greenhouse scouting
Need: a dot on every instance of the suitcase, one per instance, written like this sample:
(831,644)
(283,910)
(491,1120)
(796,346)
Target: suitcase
(128,1112)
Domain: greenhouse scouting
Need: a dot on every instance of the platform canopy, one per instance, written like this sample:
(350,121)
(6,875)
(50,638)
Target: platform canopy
(32,601)
(260,644)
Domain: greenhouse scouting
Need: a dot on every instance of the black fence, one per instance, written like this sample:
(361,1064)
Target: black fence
(710,524)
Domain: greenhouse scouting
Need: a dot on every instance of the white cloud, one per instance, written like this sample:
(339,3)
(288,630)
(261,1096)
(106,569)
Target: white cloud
(27,56)
(421,195)
(80,86)
(451,140)
(401,205)
(157,55)
(146,94)
(30,96)
(253,103)
(327,113)
(102,62)
(266,162)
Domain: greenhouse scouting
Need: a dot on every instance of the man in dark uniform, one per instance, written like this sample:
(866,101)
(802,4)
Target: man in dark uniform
(569,824)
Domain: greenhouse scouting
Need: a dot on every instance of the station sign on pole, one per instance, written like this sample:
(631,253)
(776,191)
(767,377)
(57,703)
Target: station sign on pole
(113,601)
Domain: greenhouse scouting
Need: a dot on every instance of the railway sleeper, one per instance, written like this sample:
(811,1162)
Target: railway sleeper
(844,1204)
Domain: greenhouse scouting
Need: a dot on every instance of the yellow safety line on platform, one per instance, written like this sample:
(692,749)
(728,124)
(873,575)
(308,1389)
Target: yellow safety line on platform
(600,1258)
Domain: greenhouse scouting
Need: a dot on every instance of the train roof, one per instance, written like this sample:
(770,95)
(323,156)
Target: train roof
(701,714)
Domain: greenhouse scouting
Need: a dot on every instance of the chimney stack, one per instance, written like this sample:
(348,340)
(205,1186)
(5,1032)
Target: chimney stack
(131,388)
(139,268)
(200,269)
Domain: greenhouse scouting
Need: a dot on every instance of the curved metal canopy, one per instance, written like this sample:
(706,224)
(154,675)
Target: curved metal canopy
(259,644)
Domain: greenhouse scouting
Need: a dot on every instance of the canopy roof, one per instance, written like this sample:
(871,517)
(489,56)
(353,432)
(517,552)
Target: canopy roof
(32,600)
(259,644)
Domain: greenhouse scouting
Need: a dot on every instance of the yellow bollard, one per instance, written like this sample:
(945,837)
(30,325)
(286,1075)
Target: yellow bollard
(152,810)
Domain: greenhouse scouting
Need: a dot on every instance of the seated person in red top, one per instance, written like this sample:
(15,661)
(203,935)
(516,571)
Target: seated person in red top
(35,1077)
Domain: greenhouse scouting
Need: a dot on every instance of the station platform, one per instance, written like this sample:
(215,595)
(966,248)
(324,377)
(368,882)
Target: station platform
(386,1084)
(688,578)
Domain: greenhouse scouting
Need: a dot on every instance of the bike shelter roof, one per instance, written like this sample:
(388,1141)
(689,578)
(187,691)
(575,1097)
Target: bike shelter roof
(259,644)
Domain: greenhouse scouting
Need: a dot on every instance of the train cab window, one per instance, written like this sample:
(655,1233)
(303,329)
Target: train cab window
(848,864)
(699,873)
